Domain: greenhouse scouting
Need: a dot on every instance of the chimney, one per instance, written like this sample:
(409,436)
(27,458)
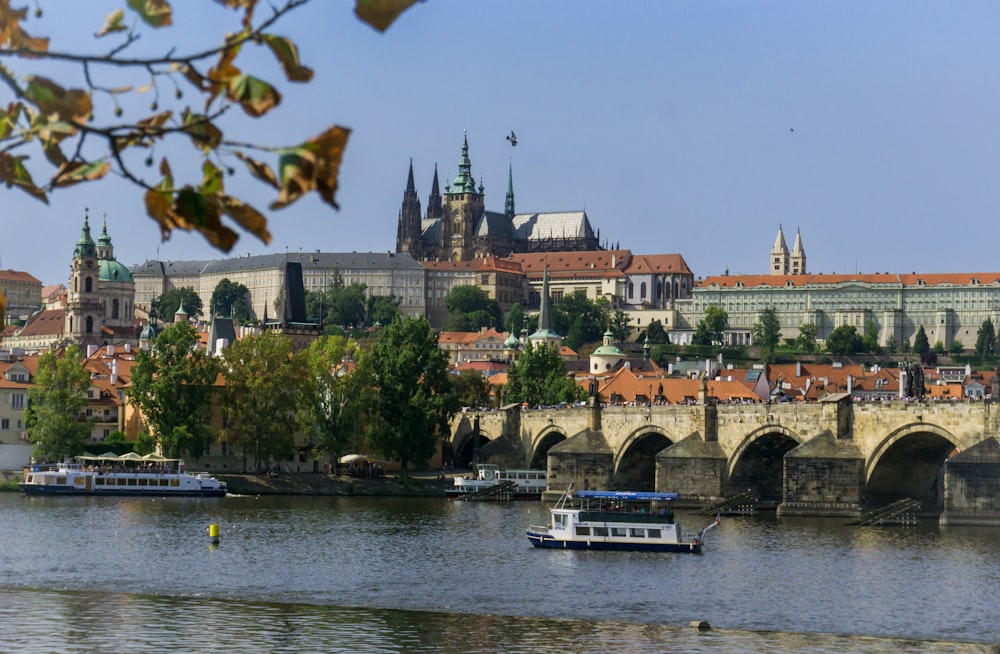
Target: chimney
(798,368)
(114,372)
(111,350)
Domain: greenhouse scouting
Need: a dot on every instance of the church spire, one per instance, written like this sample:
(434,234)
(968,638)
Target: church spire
(434,199)
(408,228)
(779,254)
(508,209)
(798,259)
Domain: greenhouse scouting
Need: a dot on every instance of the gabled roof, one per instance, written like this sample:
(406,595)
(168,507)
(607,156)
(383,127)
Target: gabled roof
(648,264)
(597,263)
(17,276)
(887,279)
(49,322)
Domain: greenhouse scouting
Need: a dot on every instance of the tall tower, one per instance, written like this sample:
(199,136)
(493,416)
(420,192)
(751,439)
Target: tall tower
(408,229)
(798,258)
(779,255)
(83,302)
(508,207)
(464,205)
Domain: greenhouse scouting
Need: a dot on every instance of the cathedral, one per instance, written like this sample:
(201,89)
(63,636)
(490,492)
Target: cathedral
(457,226)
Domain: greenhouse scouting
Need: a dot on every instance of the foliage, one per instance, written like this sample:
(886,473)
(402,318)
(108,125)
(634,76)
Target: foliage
(844,341)
(172,386)
(340,304)
(515,321)
(539,378)
(265,385)
(929,358)
(869,342)
(986,340)
(472,389)
(956,348)
(231,299)
(892,344)
(86,131)
(594,317)
(939,347)
(414,398)
(620,326)
(337,393)
(381,309)
(710,329)
(767,332)
(470,308)
(656,334)
(167,304)
(807,337)
(921,345)
(55,403)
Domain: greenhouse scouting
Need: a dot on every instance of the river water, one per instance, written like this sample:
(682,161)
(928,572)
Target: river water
(334,574)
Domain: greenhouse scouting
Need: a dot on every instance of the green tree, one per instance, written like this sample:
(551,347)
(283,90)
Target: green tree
(656,334)
(472,389)
(807,337)
(594,316)
(172,386)
(515,321)
(265,386)
(381,309)
(231,299)
(939,347)
(167,304)
(469,309)
(338,394)
(55,403)
(414,396)
(621,325)
(956,348)
(892,344)
(539,377)
(192,90)
(986,340)
(767,332)
(920,343)
(869,342)
(844,341)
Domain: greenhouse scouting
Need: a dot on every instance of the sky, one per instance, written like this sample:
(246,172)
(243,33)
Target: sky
(696,128)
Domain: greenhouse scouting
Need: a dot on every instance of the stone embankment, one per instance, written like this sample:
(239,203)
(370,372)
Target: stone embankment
(417,485)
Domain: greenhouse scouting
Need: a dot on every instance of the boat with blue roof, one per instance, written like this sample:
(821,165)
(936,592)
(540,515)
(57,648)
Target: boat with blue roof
(616,520)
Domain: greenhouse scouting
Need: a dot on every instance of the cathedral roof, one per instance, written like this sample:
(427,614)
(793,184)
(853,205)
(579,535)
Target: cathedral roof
(112,271)
(538,226)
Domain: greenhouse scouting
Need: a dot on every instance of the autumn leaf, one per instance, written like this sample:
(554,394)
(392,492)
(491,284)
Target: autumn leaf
(205,135)
(155,13)
(244,214)
(80,171)
(312,166)
(287,54)
(9,118)
(53,100)
(259,169)
(113,22)
(380,14)
(14,174)
(211,179)
(256,96)
(221,75)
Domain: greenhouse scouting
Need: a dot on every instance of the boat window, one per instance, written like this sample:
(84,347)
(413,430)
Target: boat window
(164,482)
(638,533)
(600,531)
(132,481)
(560,521)
(582,531)
(619,531)
(121,481)
(174,482)
(60,480)
(653,533)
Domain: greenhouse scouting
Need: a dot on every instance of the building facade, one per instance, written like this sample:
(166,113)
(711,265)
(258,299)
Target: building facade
(22,294)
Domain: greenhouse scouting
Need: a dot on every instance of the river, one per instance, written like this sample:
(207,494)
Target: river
(379,574)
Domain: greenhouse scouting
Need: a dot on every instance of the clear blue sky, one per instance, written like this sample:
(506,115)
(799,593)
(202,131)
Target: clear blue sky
(689,127)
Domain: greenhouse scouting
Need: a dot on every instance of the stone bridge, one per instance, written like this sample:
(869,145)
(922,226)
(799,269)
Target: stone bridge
(834,457)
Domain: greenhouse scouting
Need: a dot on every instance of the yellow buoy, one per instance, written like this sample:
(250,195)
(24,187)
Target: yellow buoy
(213,532)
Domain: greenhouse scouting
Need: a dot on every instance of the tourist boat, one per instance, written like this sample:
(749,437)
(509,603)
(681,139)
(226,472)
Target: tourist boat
(129,474)
(517,484)
(615,520)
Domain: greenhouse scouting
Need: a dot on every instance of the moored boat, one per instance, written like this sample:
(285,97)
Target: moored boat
(129,474)
(615,520)
(518,484)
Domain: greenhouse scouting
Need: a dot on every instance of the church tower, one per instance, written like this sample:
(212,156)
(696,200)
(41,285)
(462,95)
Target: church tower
(83,302)
(779,255)
(464,205)
(798,258)
(408,230)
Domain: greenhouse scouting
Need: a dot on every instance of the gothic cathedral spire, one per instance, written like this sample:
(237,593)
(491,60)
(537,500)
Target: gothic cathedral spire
(408,229)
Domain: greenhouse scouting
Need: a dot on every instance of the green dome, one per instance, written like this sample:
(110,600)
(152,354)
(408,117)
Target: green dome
(112,271)
(512,343)
(609,350)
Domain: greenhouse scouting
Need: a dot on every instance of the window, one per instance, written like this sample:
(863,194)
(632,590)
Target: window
(5,423)
(582,531)
(17,401)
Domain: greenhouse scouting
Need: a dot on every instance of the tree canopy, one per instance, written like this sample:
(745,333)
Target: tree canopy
(470,308)
(172,386)
(986,339)
(173,299)
(592,318)
(231,299)
(337,393)
(83,132)
(767,332)
(539,378)
(265,386)
(414,399)
(844,341)
(55,403)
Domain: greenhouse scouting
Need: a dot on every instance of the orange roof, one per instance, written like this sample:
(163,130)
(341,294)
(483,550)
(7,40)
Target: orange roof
(44,323)
(17,276)
(891,279)
(657,263)
(599,263)
(677,390)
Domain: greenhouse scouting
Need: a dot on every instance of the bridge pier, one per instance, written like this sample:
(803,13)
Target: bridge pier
(972,486)
(694,468)
(825,476)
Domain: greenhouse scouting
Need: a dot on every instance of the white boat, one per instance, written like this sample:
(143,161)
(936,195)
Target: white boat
(517,484)
(129,474)
(615,520)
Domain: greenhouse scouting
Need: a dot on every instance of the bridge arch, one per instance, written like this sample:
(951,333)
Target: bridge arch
(546,439)
(757,463)
(464,446)
(635,460)
(907,463)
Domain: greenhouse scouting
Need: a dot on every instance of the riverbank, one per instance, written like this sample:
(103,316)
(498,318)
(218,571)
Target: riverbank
(417,484)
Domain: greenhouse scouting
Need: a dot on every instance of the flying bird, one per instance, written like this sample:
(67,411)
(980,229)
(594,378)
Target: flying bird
(512,138)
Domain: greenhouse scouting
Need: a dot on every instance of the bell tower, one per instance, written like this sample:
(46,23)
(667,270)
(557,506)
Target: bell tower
(464,205)
(83,302)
